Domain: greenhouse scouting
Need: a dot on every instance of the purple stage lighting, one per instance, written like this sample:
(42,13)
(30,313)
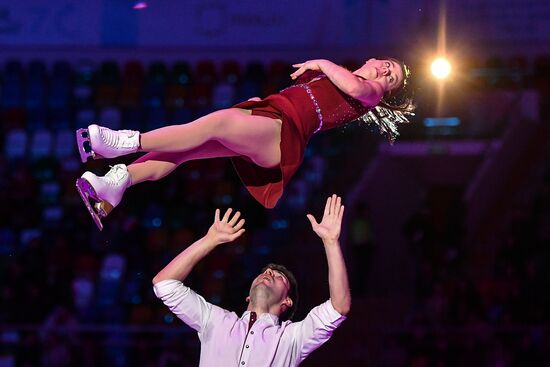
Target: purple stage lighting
(138,5)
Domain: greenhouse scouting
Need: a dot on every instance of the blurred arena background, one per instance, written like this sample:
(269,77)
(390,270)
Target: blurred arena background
(447,231)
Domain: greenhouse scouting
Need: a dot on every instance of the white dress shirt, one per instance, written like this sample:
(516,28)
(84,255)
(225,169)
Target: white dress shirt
(227,341)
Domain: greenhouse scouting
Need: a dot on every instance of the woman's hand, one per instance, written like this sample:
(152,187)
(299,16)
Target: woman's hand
(329,228)
(308,65)
(227,229)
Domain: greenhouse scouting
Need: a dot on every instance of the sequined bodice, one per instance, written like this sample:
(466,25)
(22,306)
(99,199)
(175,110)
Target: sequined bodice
(321,105)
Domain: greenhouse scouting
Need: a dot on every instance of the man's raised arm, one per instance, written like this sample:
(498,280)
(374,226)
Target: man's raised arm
(329,232)
(223,230)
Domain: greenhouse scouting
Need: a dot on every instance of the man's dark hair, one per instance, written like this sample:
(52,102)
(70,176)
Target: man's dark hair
(292,292)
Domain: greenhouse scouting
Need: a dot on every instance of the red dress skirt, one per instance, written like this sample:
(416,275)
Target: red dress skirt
(304,109)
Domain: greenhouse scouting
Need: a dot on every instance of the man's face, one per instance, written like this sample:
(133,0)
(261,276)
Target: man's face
(271,282)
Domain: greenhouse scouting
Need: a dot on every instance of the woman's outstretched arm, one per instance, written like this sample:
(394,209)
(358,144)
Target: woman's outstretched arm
(367,91)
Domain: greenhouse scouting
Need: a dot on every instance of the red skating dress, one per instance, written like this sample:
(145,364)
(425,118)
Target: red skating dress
(313,104)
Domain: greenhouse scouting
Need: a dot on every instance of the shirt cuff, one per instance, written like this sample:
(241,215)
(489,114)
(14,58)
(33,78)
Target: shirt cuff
(331,311)
(168,286)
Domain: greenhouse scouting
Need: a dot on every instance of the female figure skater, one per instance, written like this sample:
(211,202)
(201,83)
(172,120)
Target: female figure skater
(265,138)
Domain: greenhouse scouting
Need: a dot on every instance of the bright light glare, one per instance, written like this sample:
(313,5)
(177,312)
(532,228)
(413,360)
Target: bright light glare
(441,68)
(140,5)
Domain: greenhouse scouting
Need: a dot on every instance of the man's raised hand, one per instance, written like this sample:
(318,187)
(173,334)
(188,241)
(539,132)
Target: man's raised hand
(226,229)
(331,224)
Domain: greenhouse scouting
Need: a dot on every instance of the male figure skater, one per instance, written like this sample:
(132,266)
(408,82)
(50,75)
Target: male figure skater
(258,338)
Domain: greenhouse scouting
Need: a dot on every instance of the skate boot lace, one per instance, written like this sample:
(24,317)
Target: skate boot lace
(117,139)
(115,175)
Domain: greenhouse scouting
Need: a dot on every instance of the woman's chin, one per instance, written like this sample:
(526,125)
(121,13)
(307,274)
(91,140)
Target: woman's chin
(370,76)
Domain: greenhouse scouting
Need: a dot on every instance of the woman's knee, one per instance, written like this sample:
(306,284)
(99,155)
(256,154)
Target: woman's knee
(223,123)
(216,121)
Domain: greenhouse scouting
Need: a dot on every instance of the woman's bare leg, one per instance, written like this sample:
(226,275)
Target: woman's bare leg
(156,165)
(256,137)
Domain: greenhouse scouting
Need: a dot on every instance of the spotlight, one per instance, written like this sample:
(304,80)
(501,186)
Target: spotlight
(138,5)
(441,68)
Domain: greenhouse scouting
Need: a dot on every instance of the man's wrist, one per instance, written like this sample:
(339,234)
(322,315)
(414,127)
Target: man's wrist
(331,242)
(209,242)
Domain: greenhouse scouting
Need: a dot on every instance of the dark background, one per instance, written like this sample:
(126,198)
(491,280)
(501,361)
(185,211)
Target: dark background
(446,232)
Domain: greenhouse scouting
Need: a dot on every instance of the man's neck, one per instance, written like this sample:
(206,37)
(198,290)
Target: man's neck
(261,308)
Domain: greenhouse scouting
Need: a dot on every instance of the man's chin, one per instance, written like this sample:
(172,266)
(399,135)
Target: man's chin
(260,290)
(260,286)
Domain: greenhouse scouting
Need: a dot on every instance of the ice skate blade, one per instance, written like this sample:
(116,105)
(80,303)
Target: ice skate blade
(84,145)
(97,210)
(103,208)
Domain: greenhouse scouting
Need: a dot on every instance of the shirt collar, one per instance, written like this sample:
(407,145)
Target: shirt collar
(273,319)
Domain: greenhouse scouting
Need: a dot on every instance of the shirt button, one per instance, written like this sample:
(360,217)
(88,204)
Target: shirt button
(252,332)
(242,362)
(247,346)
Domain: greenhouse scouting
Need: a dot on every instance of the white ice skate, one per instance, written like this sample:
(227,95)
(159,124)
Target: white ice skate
(102,193)
(101,142)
